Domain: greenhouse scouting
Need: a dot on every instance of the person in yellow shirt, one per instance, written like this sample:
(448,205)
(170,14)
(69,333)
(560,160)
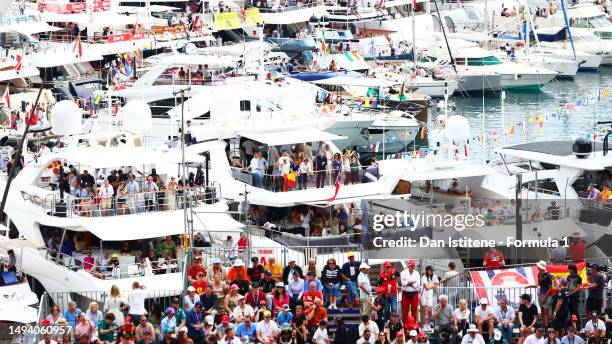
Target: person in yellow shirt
(275,268)
(606,193)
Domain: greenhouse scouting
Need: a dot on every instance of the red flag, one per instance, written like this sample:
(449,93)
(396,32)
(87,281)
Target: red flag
(116,107)
(7,97)
(465,150)
(243,14)
(595,136)
(335,192)
(195,23)
(78,47)
(18,65)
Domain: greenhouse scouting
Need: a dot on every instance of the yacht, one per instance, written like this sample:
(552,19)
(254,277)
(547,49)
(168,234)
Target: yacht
(559,171)
(583,17)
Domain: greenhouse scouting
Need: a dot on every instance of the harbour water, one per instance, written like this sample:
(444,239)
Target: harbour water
(520,107)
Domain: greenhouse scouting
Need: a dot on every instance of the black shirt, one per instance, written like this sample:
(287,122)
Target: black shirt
(266,286)
(394,329)
(87,180)
(255,273)
(561,295)
(320,163)
(298,320)
(597,293)
(209,302)
(529,313)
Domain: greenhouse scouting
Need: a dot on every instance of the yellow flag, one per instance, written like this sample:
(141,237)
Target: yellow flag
(605,92)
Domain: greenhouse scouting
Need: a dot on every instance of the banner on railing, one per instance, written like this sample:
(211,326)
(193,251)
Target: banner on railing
(124,37)
(74,7)
(494,285)
(252,17)
(226,21)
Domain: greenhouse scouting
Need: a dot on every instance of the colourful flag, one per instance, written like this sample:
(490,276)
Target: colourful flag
(78,47)
(18,65)
(423,133)
(195,23)
(561,271)
(508,283)
(7,97)
(605,92)
(335,192)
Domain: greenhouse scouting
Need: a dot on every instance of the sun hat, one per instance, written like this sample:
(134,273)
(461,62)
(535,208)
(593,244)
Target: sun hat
(541,265)
(170,310)
(238,262)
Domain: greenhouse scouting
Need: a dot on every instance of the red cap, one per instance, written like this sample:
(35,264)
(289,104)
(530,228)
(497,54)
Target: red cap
(412,262)
(387,264)
(422,335)
(234,287)
(45,322)
(225,319)
(574,318)
(399,334)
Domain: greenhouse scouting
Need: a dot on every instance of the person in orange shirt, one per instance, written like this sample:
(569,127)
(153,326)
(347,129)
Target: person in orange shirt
(200,284)
(237,271)
(606,193)
(315,313)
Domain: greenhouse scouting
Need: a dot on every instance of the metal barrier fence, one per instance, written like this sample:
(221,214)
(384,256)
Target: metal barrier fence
(276,182)
(94,206)
(128,270)
(301,255)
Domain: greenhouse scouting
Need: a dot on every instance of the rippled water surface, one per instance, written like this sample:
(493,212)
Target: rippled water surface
(521,106)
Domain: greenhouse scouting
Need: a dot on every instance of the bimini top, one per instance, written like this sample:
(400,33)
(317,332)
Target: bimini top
(288,137)
(558,152)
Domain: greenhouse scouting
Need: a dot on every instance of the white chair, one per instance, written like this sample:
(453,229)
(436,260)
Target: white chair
(126,260)
(132,270)
(148,270)
(116,273)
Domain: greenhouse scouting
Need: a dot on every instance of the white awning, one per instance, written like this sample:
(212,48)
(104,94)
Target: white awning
(158,224)
(454,171)
(356,81)
(292,17)
(292,136)
(23,314)
(25,72)
(32,28)
(112,157)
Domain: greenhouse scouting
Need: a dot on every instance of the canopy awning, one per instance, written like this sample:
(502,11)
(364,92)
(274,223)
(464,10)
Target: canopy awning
(454,171)
(32,28)
(292,17)
(112,157)
(158,224)
(289,137)
(22,314)
(25,72)
(359,81)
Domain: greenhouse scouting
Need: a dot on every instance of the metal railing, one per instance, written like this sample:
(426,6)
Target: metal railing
(131,203)
(128,270)
(277,182)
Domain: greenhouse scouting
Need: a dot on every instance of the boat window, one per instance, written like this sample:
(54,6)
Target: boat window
(159,108)
(579,22)
(377,131)
(245,105)
(205,115)
(460,60)
(599,179)
(599,21)
(484,61)
(545,185)
(603,34)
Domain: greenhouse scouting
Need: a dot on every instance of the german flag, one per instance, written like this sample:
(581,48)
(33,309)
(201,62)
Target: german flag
(561,271)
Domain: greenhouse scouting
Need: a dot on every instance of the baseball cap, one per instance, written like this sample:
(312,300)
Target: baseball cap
(422,335)
(412,333)
(387,264)
(114,255)
(400,333)
(364,266)
(210,319)
(234,287)
(225,319)
(216,261)
(268,272)
(267,313)
(255,260)
(484,301)
(197,304)
(280,284)
(412,262)
(191,288)
(170,310)
(285,306)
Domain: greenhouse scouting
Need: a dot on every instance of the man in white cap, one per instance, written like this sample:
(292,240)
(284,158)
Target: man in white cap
(484,316)
(472,337)
(216,268)
(190,299)
(410,282)
(290,269)
(365,289)
(242,310)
